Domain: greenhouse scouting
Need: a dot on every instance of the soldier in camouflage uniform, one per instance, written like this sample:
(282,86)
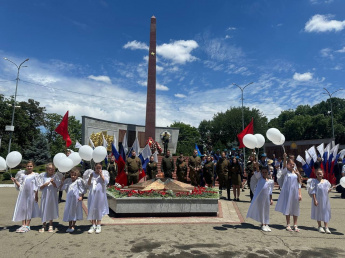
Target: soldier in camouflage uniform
(112,169)
(133,168)
(167,165)
(181,168)
(194,164)
(222,168)
(151,169)
(209,171)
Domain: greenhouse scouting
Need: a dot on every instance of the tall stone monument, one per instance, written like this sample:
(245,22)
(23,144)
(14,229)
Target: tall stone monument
(150,122)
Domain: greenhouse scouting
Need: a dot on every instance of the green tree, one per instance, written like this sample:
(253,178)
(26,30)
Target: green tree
(224,127)
(188,137)
(28,119)
(38,151)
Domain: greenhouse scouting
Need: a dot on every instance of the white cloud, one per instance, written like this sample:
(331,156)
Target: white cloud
(327,52)
(101,78)
(321,23)
(158,85)
(136,45)
(179,52)
(161,87)
(341,50)
(321,1)
(228,37)
(179,95)
(231,28)
(302,77)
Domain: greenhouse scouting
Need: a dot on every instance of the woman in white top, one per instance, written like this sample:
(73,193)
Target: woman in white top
(259,208)
(49,184)
(290,194)
(318,189)
(97,203)
(26,205)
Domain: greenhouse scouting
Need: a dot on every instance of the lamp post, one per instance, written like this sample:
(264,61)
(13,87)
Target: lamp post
(242,89)
(11,128)
(330,98)
(244,150)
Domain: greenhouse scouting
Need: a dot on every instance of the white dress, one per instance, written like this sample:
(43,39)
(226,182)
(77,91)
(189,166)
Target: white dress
(288,202)
(259,208)
(49,200)
(26,206)
(73,208)
(321,212)
(97,202)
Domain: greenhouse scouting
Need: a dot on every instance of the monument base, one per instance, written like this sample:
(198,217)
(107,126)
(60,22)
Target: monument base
(149,206)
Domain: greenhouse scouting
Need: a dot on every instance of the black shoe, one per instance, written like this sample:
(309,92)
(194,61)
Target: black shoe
(238,199)
(229,199)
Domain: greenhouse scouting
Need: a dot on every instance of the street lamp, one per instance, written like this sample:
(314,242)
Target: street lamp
(11,127)
(330,98)
(242,89)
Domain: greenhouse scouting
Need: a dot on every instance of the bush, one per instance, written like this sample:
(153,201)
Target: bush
(7,176)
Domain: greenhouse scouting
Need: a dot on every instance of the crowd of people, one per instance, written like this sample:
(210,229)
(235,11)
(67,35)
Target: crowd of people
(261,176)
(49,183)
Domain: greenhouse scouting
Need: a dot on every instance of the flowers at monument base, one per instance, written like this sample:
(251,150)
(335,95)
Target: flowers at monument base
(197,192)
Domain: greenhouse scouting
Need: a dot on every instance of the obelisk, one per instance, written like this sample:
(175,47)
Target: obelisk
(150,122)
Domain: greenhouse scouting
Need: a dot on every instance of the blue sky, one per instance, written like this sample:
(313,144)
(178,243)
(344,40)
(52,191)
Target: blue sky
(90,57)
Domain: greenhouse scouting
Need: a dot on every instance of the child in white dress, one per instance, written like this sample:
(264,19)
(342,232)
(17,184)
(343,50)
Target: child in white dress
(26,205)
(262,187)
(49,184)
(75,189)
(318,189)
(97,202)
(290,194)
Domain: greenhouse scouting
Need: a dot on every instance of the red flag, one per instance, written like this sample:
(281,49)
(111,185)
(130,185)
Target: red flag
(121,174)
(142,174)
(62,129)
(247,130)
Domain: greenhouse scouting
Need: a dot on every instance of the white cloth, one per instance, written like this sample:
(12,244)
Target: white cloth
(288,202)
(259,208)
(26,207)
(321,212)
(97,202)
(49,200)
(73,208)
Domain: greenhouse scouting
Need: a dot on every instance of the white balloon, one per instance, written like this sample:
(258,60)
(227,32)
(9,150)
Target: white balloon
(250,141)
(65,165)
(273,134)
(13,159)
(75,157)
(2,163)
(57,158)
(281,141)
(85,152)
(99,154)
(260,139)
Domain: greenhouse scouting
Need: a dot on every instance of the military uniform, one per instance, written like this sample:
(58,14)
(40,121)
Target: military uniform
(209,172)
(133,168)
(112,169)
(151,170)
(222,168)
(181,169)
(194,164)
(167,166)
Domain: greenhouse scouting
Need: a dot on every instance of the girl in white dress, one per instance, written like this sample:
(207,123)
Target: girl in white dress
(49,184)
(75,189)
(26,205)
(259,208)
(290,194)
(318,189)
(97,202)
